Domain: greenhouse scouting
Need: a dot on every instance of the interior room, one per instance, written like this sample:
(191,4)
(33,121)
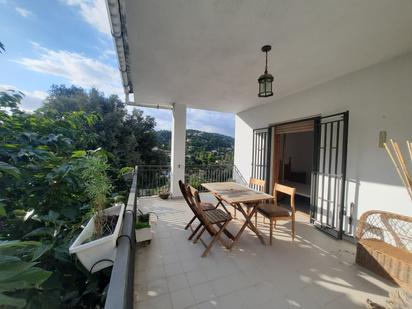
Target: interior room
(296,153)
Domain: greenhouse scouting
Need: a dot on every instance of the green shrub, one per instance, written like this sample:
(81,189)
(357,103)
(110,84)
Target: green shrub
(98,187)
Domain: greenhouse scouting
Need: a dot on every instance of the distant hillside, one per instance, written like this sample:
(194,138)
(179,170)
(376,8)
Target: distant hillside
(202,147)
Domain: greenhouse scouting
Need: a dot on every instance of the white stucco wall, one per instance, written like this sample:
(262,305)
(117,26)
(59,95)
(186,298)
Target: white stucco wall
(378,98)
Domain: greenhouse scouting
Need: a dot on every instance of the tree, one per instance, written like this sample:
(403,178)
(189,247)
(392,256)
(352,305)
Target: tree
(42,207)
(130,138)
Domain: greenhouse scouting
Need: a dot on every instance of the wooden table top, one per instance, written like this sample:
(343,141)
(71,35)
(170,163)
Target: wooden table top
(234,193)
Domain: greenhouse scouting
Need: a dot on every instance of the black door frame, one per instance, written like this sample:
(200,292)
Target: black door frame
(261,153)
(337,231)
(262,164)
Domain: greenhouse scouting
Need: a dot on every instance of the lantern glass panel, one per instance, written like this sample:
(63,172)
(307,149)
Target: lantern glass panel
(261,86)
(268,85)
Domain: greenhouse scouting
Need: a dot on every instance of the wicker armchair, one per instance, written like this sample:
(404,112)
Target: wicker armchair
(385,246)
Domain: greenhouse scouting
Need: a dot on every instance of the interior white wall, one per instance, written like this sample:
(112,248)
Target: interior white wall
(378,98)
(299,146)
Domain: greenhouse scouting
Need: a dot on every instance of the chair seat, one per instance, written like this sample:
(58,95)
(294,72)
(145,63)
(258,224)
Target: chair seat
(387,249)
(217,215)
(207,206)
(270,210)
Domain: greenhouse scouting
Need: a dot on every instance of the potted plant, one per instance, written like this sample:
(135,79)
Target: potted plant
(164,193)
(95,247)
(143,229)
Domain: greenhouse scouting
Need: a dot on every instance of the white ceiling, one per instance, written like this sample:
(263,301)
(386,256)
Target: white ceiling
(206,53)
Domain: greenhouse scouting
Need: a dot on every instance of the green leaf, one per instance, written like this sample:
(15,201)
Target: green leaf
(9,169)
(141,225)
(11,146)
(10,266)
(52,216)
(19,212)
(11,247)
(69,213)
(2,211)
(11,301)
(30,278)
(39,251)
(78,154)
(126,170)
(40,232)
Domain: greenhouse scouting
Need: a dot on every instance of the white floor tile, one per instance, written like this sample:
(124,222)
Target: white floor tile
(177,282)
(314,271)
(228,284)
(202,292)
(160,302)
(195,277)
(173,269)
(182,299)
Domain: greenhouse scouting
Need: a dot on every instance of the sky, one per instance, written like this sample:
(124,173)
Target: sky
(69,42)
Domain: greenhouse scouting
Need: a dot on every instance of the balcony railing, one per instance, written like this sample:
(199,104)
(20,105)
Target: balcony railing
(196,175)
(154,179)
(120,292)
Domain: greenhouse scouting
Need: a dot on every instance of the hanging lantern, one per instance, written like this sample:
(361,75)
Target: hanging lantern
(265,80)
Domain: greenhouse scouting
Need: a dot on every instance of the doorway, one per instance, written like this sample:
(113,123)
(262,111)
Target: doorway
(282,153)
(293,159)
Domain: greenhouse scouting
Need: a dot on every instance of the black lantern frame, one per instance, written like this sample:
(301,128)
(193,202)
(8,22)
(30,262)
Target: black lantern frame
(266,79)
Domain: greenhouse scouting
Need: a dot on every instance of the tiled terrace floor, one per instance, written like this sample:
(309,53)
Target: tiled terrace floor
(314,271)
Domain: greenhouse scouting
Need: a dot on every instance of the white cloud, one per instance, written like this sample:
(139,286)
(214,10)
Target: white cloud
(23,12)
(209,121)
(32,100)
(76,69)
(93,12)
(203,120)
(108,54)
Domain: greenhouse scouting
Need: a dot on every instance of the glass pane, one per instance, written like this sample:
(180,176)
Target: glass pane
(261,87)
(268,86)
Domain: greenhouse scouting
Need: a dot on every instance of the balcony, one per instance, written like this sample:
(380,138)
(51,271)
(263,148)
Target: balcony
(314,271)
(154,179)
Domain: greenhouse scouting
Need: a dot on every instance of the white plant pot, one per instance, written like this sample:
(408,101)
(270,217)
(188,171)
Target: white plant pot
(103,248)
(144,234)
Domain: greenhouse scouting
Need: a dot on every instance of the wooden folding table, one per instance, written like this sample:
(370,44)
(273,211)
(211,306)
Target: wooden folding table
(235,195)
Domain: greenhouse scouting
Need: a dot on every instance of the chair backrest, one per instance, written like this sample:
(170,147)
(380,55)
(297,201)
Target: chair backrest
(195,193)
(191,201)
(286,190)
(188,199)
(257,184)
(391,228)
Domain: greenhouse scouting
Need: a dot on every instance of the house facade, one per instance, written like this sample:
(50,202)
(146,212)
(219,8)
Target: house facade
(342,87)
(377,98)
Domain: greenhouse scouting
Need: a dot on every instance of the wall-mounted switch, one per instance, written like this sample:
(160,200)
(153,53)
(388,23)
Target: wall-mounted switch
(382,139)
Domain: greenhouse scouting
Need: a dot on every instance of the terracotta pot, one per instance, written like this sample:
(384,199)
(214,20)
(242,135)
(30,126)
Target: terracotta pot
(164,196)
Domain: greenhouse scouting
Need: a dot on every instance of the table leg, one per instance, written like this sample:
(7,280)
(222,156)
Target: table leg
(248,223)
(219,203)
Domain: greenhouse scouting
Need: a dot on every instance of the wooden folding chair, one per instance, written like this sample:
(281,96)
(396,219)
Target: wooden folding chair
(204,205)
(214,221)
(274,212)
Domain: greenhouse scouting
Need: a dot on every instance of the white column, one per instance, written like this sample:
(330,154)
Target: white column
(178,148)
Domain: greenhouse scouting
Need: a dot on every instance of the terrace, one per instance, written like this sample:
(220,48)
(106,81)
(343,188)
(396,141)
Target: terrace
(314,271)
(342,85)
